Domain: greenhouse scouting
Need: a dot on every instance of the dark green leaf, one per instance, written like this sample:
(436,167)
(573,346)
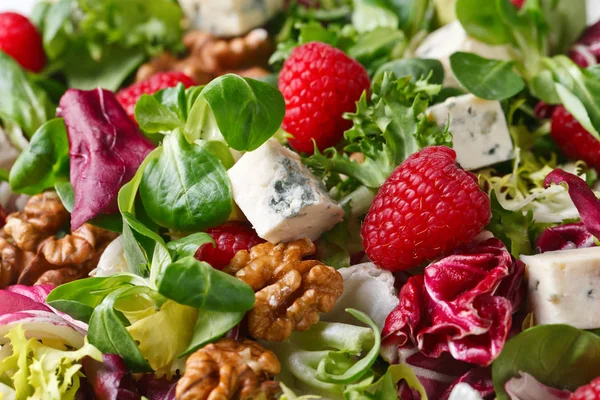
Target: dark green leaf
(485,78)
(188,245)
(417,68)
(80,297)
(481,20)
(22,102)
(45,160)
(175,99)
(186,188)
(559,356)
(197,284)
(247,111)
(379,43)
(153,117)
(210,326)
(108,333)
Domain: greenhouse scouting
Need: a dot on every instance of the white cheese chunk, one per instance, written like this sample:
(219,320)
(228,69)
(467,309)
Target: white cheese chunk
(229,17)
(479,130)
(447,40)
(564,287)
(280,197)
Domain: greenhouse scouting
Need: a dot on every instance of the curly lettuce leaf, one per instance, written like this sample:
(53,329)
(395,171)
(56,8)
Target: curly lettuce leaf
(386,131)
(38,371)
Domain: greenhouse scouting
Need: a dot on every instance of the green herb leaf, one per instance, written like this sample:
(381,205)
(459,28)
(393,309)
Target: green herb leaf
(371,14)
(210,326)
(481,21)
(44,161)
(248,112)
(416,68)
(197,284)
(153,117)
(485,78)
(22,103)
(80,297)
(559,356)
(186,188)
(108,333)
(188,246)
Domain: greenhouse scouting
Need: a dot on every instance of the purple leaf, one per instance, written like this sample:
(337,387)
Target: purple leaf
(157,388)
(586,51)
(110,379)
(565,237)
(105,147)
(462,304)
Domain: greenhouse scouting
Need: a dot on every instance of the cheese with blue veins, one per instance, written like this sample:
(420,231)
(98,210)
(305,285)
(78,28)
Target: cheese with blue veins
(564,287)
(229,17)
(480,134)
(449,39)
(280,197)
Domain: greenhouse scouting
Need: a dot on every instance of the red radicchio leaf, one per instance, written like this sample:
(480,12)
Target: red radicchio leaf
(586,51)
(565,237)
(2,216)
(526,387)
(462,304)
(105,147)
(110,379)
(582,196)
(157,389)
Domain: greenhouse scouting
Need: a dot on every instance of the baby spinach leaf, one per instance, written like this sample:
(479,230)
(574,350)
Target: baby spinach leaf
(247,111)
(175,99)
(379,44)
(22,103)
(107,331)
(485,78)
(480,19)
(195,283)
(45,160)
(80,297)
(417,68)
(559,356)
(356,370)
(153,117)
(210,326)
(186,188)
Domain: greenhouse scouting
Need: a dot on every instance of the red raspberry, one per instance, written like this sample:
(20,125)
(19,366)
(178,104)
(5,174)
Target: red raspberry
(591,391)
(2,216)
(572,138)
(20,39)
(427,207)
(319,84)
(162,80)
(229,238)
(517,3)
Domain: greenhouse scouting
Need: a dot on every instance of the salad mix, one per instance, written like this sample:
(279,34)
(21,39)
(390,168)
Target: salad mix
(336,199)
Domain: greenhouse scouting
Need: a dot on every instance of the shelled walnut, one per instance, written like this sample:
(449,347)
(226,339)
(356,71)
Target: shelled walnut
(209,56)
(290,291)
(228,369)
(34,250)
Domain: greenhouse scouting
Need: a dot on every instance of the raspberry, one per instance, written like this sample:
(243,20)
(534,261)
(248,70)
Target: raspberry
(229,238)
(319,84)
(427,207)
(591,391)
(572,138)
(20,39)
(162,80)
(517,3)
(2,216)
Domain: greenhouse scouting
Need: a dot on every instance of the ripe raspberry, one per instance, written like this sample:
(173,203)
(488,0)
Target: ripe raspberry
(591,391)
(427,207)
(572,138)
(162,80)
(21,40)
(517,3)
(229,238)
(319,84)
(2,216)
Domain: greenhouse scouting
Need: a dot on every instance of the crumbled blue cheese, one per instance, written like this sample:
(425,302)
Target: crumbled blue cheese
(447,40)
(564,287)
(280,197)
(229,17)
(479,130)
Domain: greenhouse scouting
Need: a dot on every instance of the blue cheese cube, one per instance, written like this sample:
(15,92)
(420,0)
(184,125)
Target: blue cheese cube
(282,199)
(229,17)
(479,129)
(564,287)
(447,40)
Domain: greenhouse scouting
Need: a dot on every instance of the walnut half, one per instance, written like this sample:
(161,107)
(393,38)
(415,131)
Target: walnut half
(228,369)
(290,291)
